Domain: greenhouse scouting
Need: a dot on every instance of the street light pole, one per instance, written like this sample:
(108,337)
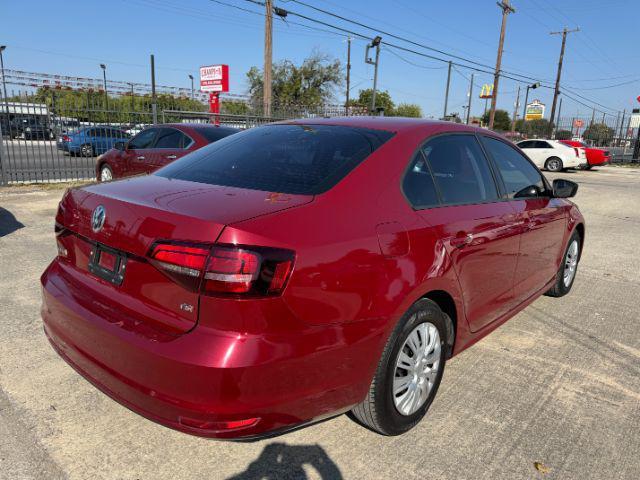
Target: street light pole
(375,43)
(104,78)
(191,78)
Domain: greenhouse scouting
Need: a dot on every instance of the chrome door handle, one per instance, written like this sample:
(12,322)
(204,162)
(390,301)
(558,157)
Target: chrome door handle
(460,242)
(171,157)
(140,157)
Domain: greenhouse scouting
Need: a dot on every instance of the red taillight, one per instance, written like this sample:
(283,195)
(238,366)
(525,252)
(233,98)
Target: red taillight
(223,270)
(66,138)
(231,270)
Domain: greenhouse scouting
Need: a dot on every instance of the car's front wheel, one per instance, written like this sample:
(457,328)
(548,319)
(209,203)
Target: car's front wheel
(409,372)
(106,174)
(553,164)
(568,268)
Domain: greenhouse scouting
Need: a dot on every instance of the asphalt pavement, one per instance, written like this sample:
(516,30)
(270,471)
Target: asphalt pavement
(554,393)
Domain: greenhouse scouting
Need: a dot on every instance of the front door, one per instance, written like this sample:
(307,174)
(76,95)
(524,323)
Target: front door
(138,152)
(475,224)
(169,146)
(540,217)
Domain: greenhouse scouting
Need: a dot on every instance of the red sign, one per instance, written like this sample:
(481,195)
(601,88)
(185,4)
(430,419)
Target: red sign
(578,123)
(214,78)
(638,98)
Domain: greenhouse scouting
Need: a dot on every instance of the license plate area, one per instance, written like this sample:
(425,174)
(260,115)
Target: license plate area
(108,264)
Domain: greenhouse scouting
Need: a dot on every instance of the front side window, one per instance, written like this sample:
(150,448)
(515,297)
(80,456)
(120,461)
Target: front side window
(460,169)
(518,174)
(294,159)
(144,139)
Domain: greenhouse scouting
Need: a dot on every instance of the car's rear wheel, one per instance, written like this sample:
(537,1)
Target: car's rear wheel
(408,374)
(86,150)
(568,268)
(553,164)
(106,174)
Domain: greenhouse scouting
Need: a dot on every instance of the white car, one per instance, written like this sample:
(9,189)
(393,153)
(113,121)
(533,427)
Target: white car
(553,156)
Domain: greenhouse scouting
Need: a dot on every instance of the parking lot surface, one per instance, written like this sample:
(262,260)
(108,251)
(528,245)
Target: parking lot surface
(554,393)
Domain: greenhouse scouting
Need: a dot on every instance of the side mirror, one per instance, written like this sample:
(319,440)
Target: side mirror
(122,146)
(564,188)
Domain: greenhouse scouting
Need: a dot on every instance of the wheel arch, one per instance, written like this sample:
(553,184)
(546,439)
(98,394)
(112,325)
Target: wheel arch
(580,229)
(447,304)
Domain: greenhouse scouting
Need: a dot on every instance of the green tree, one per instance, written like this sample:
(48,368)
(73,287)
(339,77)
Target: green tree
(501,120)
(599,133)
(564,135)
(383,100)
(408,110)
(311,84)
(534,128)
(234,107)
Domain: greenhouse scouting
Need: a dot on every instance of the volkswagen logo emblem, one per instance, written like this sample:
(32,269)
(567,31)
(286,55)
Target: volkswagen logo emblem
(97,219)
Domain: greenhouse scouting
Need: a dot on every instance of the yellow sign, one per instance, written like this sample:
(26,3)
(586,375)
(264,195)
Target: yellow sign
(487,91)
(534,111)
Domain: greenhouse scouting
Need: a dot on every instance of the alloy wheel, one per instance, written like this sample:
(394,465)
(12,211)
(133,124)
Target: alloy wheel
(570,263)
(105,174)
(417,367)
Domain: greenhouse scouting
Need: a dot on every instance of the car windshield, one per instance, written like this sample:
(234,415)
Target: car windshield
(294,159)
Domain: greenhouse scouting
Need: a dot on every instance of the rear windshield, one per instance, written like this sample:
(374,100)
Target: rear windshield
(213,134)
(294,159)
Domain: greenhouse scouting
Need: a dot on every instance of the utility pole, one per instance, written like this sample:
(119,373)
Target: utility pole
(446,93)
(526,99)
(506,10)
(375,43)
(470,97)
(557,89)
(268,57)
(154,105)
(593,115)
(346,104)
(515,111)
(558,118)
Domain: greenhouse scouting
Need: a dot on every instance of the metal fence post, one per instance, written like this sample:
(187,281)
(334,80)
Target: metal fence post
(3,179)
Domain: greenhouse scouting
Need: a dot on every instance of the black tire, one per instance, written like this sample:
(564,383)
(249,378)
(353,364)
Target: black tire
(553,164)
(561,288)
(86,150)
(378,411)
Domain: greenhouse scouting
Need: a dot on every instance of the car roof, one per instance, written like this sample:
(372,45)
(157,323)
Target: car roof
(393,124)
(192,125)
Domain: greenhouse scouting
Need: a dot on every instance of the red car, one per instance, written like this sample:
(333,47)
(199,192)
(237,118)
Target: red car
(155,147)
(596,157)
(299,270)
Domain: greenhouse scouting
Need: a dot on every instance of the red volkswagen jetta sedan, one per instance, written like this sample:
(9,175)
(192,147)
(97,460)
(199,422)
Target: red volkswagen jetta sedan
(295,271)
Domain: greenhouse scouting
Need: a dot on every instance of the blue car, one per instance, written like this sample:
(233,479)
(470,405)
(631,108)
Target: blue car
(91,141)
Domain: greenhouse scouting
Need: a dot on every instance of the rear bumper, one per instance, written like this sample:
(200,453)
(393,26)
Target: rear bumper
(197,381)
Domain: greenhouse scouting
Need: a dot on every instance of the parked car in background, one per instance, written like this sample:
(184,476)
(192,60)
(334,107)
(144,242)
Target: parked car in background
(596,157)
(155,147)
(91,141)
(553,155)
(299,270)
(30,128)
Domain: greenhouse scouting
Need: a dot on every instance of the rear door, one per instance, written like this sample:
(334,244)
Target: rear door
(137,154)
(541,217)
(473,221)
(170,145)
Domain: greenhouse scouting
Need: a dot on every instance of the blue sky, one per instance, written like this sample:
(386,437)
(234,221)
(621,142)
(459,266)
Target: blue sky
(74,36)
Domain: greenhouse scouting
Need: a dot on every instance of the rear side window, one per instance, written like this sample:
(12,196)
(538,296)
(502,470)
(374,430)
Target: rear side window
(171,138)
(295,159)
(418,184)
(516,171)
(213,134)
(460,170)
